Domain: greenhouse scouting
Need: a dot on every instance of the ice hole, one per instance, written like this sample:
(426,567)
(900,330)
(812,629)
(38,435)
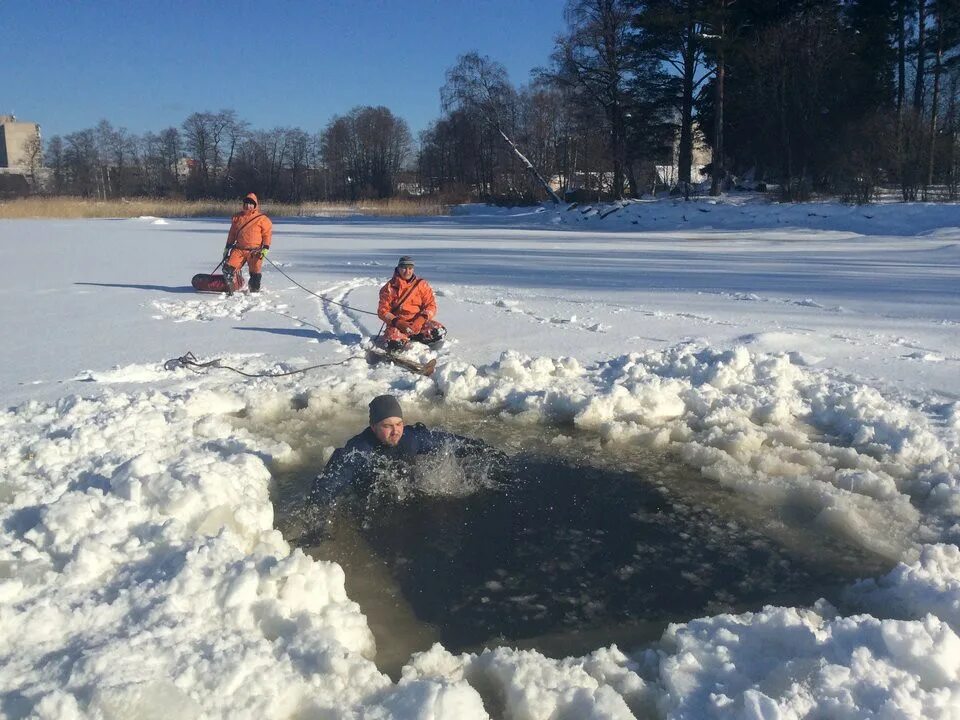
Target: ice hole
(585,544)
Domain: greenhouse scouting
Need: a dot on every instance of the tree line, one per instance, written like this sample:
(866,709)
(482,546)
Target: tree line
(218,155)
(810,96)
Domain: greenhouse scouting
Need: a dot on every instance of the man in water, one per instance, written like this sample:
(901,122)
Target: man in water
(387,446)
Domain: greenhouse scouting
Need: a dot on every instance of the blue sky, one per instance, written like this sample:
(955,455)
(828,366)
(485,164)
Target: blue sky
(147,65)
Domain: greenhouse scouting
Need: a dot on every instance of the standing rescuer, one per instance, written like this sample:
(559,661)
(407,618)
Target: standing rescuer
(408,306)
(247,242)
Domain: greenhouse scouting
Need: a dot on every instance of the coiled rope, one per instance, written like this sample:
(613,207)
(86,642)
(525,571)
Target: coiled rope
(190,362)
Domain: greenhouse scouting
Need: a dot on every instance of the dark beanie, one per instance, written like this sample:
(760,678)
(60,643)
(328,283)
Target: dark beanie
(405,260)
(383,407)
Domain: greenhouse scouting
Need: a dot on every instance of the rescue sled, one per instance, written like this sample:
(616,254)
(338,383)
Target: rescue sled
(378,354)
(379,351)
(215,283)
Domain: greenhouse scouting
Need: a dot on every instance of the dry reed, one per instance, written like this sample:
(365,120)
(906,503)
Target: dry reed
(70,207)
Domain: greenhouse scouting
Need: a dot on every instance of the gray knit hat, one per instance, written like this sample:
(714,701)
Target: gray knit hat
(383,407)
(405,260)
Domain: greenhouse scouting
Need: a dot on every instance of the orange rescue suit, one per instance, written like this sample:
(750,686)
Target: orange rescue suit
(418,302)
(249,230)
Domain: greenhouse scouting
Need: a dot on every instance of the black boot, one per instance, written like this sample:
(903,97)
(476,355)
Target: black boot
(255,282)
(229,279)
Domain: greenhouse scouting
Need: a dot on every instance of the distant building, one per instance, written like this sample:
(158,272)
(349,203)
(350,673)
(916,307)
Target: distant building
(590,181)
(659,172)
(668,170)
(19,141)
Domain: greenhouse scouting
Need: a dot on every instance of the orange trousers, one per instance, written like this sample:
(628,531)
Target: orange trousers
(239,256)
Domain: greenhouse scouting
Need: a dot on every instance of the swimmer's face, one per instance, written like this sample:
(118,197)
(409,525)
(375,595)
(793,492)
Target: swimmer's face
(389,430)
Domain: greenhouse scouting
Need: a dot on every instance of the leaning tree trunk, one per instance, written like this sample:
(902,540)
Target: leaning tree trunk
(529,166)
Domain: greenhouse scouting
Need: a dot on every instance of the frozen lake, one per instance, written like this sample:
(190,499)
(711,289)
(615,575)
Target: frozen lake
(719,416)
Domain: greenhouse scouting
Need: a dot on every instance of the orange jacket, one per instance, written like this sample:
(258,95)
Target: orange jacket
(419,302)
(250,229)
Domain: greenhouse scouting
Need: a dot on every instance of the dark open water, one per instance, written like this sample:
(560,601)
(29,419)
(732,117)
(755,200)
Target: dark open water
(573,545)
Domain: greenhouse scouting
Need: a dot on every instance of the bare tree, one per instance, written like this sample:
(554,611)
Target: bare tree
(364,152)
(543,128)
(56,161)
(593,59)
(33,153)
(478,86)
(298,162)
(81,161)
(117,150)
(161,162)
(171,152)
(198,142)
(228,131)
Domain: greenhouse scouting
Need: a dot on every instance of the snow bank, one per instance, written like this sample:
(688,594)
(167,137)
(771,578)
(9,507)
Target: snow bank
(780,663)
(788,663)
(139,562)
(525,685)
(930,584)
(854,462)
(139,570)
(733,212)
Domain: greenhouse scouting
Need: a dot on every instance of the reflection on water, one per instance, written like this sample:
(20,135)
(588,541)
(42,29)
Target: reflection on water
(575,546)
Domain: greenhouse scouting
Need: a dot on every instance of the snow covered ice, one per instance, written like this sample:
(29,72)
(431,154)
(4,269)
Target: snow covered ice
(803,357)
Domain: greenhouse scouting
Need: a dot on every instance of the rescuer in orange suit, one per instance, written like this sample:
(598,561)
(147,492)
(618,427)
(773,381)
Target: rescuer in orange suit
(408,306)
(247,242)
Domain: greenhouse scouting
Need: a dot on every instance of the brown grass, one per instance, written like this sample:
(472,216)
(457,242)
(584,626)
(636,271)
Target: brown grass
(69,207)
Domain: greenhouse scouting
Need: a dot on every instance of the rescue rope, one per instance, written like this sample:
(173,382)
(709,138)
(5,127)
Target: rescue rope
(190,362)
(321,297)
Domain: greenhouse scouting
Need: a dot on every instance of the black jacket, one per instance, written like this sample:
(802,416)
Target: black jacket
(353,465)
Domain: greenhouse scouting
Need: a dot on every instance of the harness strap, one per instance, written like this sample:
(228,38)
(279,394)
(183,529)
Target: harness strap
(399,303)
(239,229)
